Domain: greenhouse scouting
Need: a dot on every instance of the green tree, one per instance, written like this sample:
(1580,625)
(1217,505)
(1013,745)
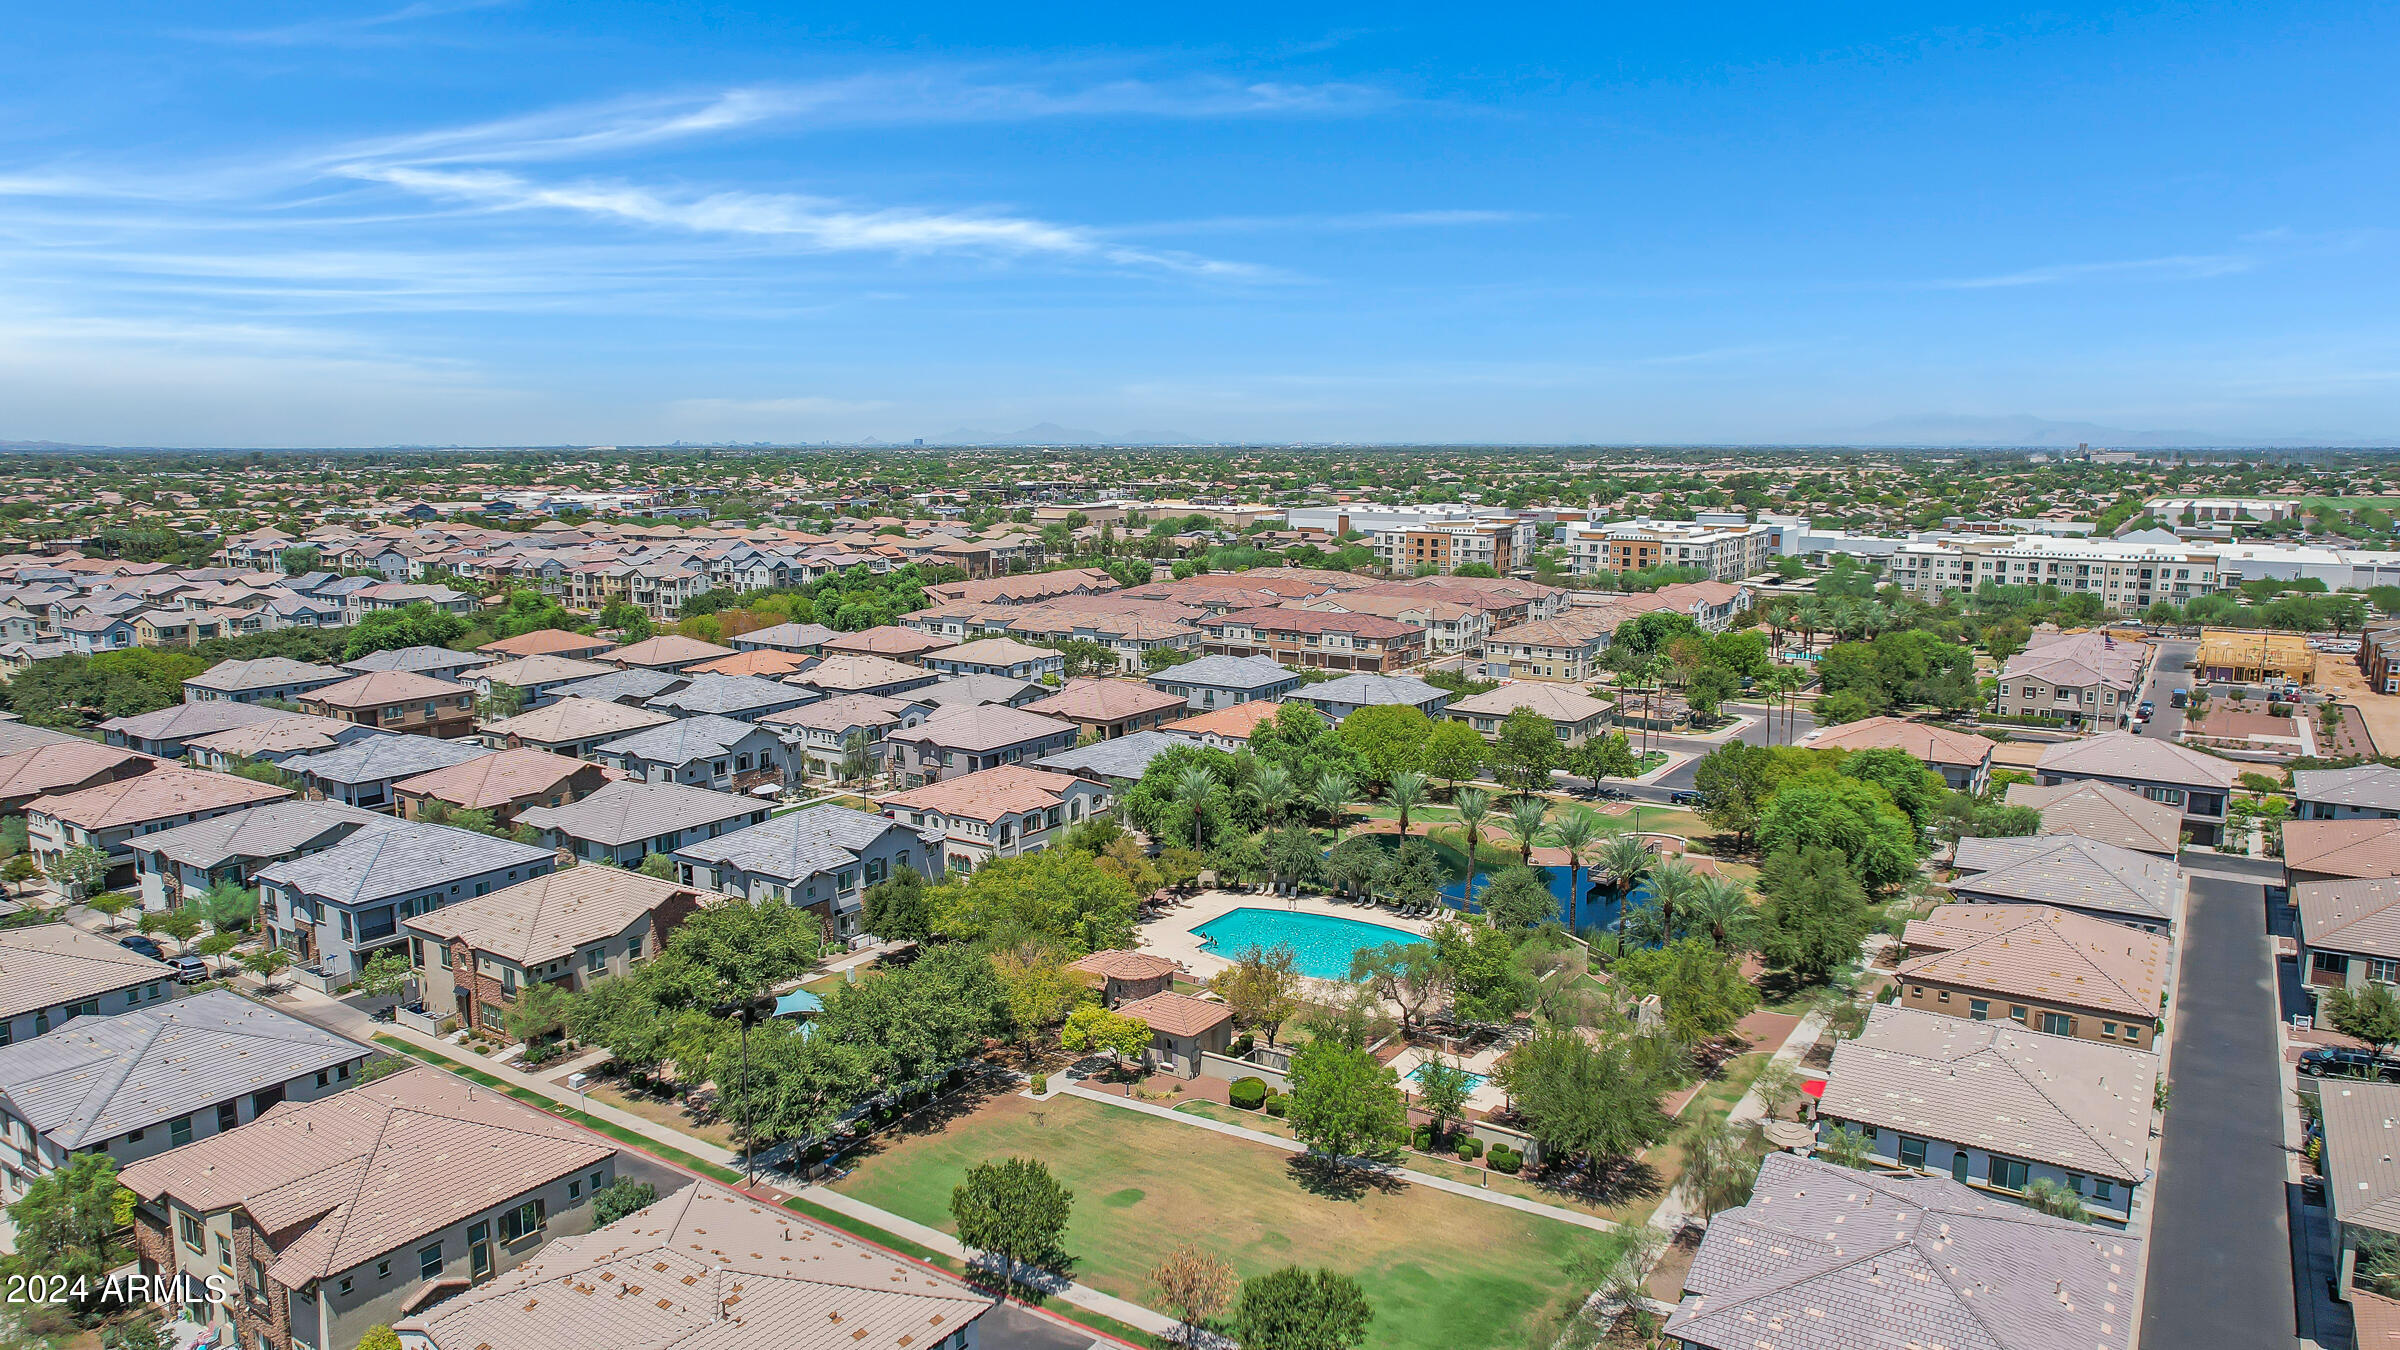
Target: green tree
(2056,1200)
(1410,975)
(1391,739)
(1055,896)
(1823,809)
(1609,756)
(540,1010)
(1474,807)
(1527,818)
(227,904)
(899,908)
(386,973)
(1040,991)
(1345,1105)
(80,870)
(1700,990)
(2371,1013)
(267,964)
(1517,900)
(1262,987)
(180,924)
(1720,1165)
(108,904)
(1585,1099)
(1814,912)
(1092,1027)
(1454,753)
(1293,855)
(1442,1091)
(391,629)
(214,948)
(65,1218)
(1013,1211)
(659,865)
(379,1337)
(620,1198)
(1577,831)
(1526,751)
(1405,792)
(1295,1309)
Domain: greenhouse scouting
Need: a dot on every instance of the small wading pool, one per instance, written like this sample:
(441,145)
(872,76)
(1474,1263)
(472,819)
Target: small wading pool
(1321,944)
(1475,1081)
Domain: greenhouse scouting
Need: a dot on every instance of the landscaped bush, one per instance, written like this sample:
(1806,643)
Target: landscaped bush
(1241,1046)
(1424,1139)
(1469,1148)
(1248,1093)
(1277,1104)
(1507,1160)
(1041,1084)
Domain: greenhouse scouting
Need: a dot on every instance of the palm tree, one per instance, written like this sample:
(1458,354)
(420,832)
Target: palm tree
(1525,820)
(1192,787)
(1404,792)
(1474,807)
(1330,794)
(1720,904)
(1575,831)
(1272,788)
(1673,885)
(1626,860)
(1654,675)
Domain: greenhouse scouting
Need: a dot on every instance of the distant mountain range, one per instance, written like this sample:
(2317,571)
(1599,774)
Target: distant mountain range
(2025,430)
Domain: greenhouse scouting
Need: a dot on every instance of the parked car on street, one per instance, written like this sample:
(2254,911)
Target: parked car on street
(189,969)
(146,946)
(2341,1061)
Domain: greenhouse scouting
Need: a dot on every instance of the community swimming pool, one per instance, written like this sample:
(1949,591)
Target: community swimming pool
(1322,944)
(1474,1080)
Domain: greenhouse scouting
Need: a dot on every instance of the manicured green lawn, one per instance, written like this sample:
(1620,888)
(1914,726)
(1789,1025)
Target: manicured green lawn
(1441,1270)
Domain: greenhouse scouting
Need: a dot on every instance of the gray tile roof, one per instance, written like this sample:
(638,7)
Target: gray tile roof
(628,810)
(798,844)
(46,964)
(634,682)
(186,720)
(400,858)
(377,758)
(1371,691)
(2079,1105)
(728,695)
(790,637)
(966,691)
(267,672)
(2068,870)
(15,736)
(2362,1152)
(1121,757)
(1827,1258)
(2370,787)
(683,741)
(97,1078)
(268,831)
(2105,812)
(1227,672)
(2140,759)
(2359,915)
(418,660)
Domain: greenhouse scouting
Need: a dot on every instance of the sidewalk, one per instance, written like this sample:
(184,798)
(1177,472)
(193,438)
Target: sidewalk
(1673,1212)
(1278,1142)
(339,1017)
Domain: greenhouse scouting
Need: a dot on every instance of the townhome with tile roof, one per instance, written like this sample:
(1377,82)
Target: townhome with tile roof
(2058,972)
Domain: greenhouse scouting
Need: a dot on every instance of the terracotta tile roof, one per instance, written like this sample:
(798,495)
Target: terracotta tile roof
(2104,813)
(1280,620)
(371,1168)
(1119,964)
(998,651)
(1932,744)
(2036,952)
(155,795)
(1557,702)
(985,726)
(2360,915)
(716,1271)
(1105,701)
(1233,723)
(576,719)
(988,794)
(47,964)
(1177,1014)
(888,640)
(378,688)
(46,768)
(2343,848)
(528,671)
(764,661)
(550,916)
(499,779)
(668,649)
(846,673)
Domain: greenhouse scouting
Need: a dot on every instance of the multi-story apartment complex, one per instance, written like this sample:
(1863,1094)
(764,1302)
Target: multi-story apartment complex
(1316,639)
(2129,575)
(1727,545)
(1503,544)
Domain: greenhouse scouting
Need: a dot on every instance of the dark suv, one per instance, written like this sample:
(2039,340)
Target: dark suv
(2343,1062)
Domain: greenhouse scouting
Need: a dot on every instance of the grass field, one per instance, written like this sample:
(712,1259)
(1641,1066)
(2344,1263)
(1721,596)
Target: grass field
(1440,1270)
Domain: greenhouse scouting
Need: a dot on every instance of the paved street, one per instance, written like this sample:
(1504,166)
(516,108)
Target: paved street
(1679,778)
(2220,1274)
(2167,675)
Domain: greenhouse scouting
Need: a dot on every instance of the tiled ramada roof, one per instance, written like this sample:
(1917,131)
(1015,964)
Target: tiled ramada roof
(1177,1014)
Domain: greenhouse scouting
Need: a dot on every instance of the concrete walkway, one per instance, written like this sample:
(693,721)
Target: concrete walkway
(1674,1211)
(1281,1144)
(339,1017)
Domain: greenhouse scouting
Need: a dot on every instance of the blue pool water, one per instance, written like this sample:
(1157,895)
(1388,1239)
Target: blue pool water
(1321,944)
(1474,1080)
(1599,908)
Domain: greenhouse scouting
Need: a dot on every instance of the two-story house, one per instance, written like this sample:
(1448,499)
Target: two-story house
(178,865)
(627,821)
(2058,972)
(964,740)
(362,773)
(744,698)
(269,679)
(998,656)
(50,972)
(1573,717)
(441,663)
(572,726)
(1343,695)
(841,738)
(326,1218)
(333,909)
(708,751)
(999,812)
(2083,679)
(1316,639)
(112,816)
(1225,681)
(2198,784)
(1107,709)
(821,859)
(567,929)
(396,700)
(502,783)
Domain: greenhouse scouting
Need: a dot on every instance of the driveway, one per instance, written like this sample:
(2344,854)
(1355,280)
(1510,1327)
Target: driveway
(2221,1274)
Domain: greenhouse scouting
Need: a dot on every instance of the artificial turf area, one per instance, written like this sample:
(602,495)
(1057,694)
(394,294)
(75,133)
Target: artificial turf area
(1440,1270)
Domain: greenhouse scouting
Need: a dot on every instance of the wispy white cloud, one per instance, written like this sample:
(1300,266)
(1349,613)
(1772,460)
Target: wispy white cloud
(361,28)
(2176,267)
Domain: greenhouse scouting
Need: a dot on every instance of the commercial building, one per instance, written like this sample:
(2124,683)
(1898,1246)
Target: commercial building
(2240,656)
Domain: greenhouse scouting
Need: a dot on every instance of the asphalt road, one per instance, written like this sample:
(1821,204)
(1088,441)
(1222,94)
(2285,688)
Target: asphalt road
(1679,778)
(2220,1273)
(2167,675)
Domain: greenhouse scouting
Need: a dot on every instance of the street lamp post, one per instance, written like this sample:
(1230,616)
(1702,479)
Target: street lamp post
(744,1012)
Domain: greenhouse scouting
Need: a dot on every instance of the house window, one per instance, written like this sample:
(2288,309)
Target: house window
(189,1227)
(1979,1008)
(2108,1030)
(2017,1013)
(1943,995)
(2381,968)
(2058,1024)
(1912,1152)
(523,1221)
(2008,1174)
(429,1260)
(2330,963)
(2103,1189)
(179,1131)
(596,959)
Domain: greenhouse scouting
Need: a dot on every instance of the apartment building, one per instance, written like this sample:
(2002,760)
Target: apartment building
(627,821)
(50,972)
(2084,679)
(396,700)
(1504,545)
(2129,575)
(1316,639)
(959,741)
(1727,551)
(2199,785)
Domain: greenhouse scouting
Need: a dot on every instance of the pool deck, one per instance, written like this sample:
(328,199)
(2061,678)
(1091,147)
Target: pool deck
(1170,935)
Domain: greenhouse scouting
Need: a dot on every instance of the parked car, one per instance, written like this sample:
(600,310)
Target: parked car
(2181,698)
(2341,1061)
(2148,709)
(189,969)
(1683,798)
(146,946)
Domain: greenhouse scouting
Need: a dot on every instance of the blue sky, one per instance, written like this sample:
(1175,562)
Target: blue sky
(445,221)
